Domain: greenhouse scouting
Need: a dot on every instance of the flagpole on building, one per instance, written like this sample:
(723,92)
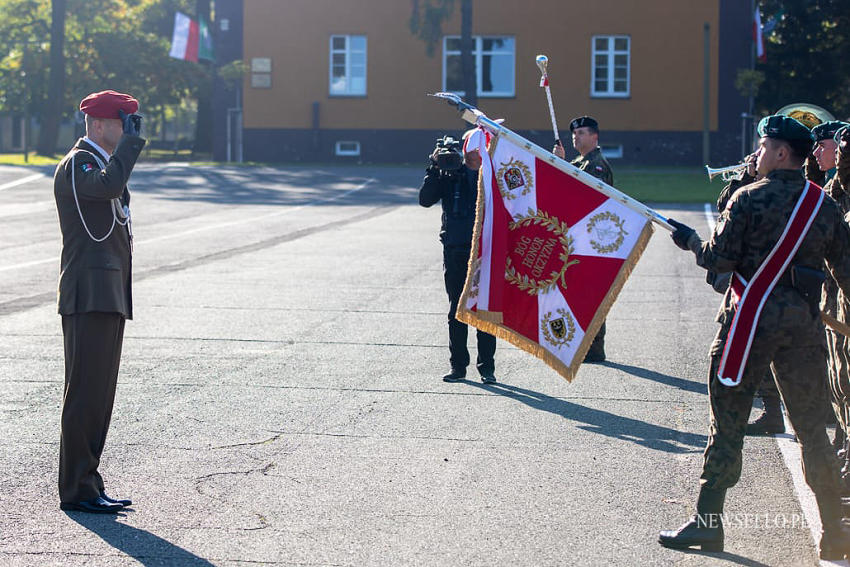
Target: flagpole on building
(477,118)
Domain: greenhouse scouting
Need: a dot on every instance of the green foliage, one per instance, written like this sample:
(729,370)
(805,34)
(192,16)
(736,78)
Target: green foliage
(109,44)
(807,56)
(748,81)
(426,21)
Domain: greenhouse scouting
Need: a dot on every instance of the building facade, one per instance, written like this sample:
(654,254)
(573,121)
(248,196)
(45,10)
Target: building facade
(347,80)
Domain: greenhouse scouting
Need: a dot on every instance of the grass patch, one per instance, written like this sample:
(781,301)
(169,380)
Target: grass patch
(33,159)
(667,185)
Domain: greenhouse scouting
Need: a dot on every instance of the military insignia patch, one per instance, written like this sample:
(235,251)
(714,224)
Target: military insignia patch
(558,328)
(514,176)
(86,167)
(607,232)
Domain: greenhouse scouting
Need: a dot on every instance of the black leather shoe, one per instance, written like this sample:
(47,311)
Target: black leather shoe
(594,356)
(835,543)
(705,533)
(456,375)
(124,501)
(488,378)
(94,506)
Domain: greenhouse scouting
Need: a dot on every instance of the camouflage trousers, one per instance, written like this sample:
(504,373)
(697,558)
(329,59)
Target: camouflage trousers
(798,363)
(839,375)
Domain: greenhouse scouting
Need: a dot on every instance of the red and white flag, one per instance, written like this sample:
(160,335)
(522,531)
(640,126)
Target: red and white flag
(551,251)
(184,42)
(758,37)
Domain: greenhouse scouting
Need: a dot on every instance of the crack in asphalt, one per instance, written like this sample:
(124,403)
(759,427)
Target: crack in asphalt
(28,302)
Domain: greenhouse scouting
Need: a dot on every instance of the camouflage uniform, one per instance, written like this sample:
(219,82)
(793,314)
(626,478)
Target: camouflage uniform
(836,303)
(789,333)
(767,390)
(596,165)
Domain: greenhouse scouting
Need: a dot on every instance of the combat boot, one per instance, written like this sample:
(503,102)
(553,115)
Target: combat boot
(705,529)
(770,421)
(835,538)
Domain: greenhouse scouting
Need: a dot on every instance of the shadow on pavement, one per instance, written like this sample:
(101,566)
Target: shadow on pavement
(682,384)
(143,546)
(285,185)
(603,422)
(727,557)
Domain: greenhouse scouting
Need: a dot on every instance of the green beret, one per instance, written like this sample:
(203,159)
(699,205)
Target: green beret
(827,130)
(840,132)
(785,128)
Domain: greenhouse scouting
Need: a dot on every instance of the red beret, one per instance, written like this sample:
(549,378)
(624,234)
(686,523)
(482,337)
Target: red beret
(106,104)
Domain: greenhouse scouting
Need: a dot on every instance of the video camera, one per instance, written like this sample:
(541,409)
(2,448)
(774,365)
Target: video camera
(447,155)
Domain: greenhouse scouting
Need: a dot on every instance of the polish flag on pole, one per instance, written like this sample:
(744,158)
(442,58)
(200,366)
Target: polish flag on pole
(758,37)
(184,42)
(552,248)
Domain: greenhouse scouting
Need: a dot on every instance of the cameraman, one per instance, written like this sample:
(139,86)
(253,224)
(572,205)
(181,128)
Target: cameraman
(452,177)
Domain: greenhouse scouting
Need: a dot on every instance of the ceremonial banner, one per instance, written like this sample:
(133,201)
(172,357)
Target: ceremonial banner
(551,251)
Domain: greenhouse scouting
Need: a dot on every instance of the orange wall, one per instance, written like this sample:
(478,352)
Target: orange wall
(666,63)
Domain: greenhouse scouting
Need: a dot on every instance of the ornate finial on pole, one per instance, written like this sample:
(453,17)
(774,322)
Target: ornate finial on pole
(543,63)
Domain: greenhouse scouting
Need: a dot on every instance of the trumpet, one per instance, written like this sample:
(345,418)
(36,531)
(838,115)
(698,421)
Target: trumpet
(728,173)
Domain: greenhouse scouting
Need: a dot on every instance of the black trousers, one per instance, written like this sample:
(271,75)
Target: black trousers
(92,355)
(455,261)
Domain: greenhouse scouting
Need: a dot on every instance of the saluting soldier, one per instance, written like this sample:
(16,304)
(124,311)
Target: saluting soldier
(774,235)
(90,187)
(585,135)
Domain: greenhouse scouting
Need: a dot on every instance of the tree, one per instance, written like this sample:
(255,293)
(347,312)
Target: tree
(426,22)
(806,56)
(52,114)
(117,44)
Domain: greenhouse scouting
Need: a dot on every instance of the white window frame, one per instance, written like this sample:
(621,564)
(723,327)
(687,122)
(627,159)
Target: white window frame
(347,51)
(340,148)
(611,52)
(477,54)
(613,151)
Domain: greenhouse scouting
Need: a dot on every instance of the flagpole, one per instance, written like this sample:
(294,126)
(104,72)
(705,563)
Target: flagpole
(543,63)
(477,118)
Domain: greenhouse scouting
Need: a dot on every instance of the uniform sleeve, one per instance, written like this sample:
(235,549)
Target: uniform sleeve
(432,187)
(107,183)
(730,189)
(600,169)
(722,252)
(838,255)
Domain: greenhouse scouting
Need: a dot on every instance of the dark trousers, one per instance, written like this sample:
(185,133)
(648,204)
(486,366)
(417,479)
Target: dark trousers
(799,367)
(455,261)
(92,355)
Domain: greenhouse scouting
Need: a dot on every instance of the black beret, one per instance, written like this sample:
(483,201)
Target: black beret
(584,122)
(827,130)
(785,128)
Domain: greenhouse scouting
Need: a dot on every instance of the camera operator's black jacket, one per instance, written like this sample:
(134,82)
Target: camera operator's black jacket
(459,192)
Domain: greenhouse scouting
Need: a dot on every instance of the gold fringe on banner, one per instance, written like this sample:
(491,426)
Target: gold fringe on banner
(493,322)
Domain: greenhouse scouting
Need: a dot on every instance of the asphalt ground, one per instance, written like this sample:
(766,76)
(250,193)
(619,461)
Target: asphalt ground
(280,400)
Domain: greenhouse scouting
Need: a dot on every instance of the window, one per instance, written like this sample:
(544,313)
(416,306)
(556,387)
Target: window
(347,148)
(494,65)
(612,152)
(611,66)
(348,65)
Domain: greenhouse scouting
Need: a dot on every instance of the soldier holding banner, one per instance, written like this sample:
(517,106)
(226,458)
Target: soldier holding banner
(775,235)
